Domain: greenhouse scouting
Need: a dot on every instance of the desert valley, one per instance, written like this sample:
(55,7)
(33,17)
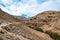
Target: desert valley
(44,26)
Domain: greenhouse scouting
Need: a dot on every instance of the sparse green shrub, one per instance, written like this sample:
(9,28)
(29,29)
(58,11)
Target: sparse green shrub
(30,19)
(1,32)
(55,36)
(50,16)
(6,28)
(51,13)
(1,38)
(34,18)
(30,27)
(37,28)
(44,20)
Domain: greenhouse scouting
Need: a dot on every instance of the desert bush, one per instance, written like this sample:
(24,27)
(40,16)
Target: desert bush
(51,13)
(6,28)
(30,27)
(34,18)
(53,35)
(50,16)
(36,28)
(30,19)
(1,38)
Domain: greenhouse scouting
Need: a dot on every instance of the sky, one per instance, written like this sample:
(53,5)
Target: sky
(28,8)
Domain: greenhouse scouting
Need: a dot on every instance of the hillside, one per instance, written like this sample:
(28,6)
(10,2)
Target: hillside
(43,18)
(48,22)
(7,17)
(13,28)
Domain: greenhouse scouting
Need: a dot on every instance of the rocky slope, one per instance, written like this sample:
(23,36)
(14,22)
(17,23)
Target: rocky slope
(7,17)
(11,28)
(48,21)
(43,18)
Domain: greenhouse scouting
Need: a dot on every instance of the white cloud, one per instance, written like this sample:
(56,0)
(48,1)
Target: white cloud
(29,7)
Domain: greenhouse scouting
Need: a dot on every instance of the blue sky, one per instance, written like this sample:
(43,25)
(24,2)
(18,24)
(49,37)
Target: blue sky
(28,8)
